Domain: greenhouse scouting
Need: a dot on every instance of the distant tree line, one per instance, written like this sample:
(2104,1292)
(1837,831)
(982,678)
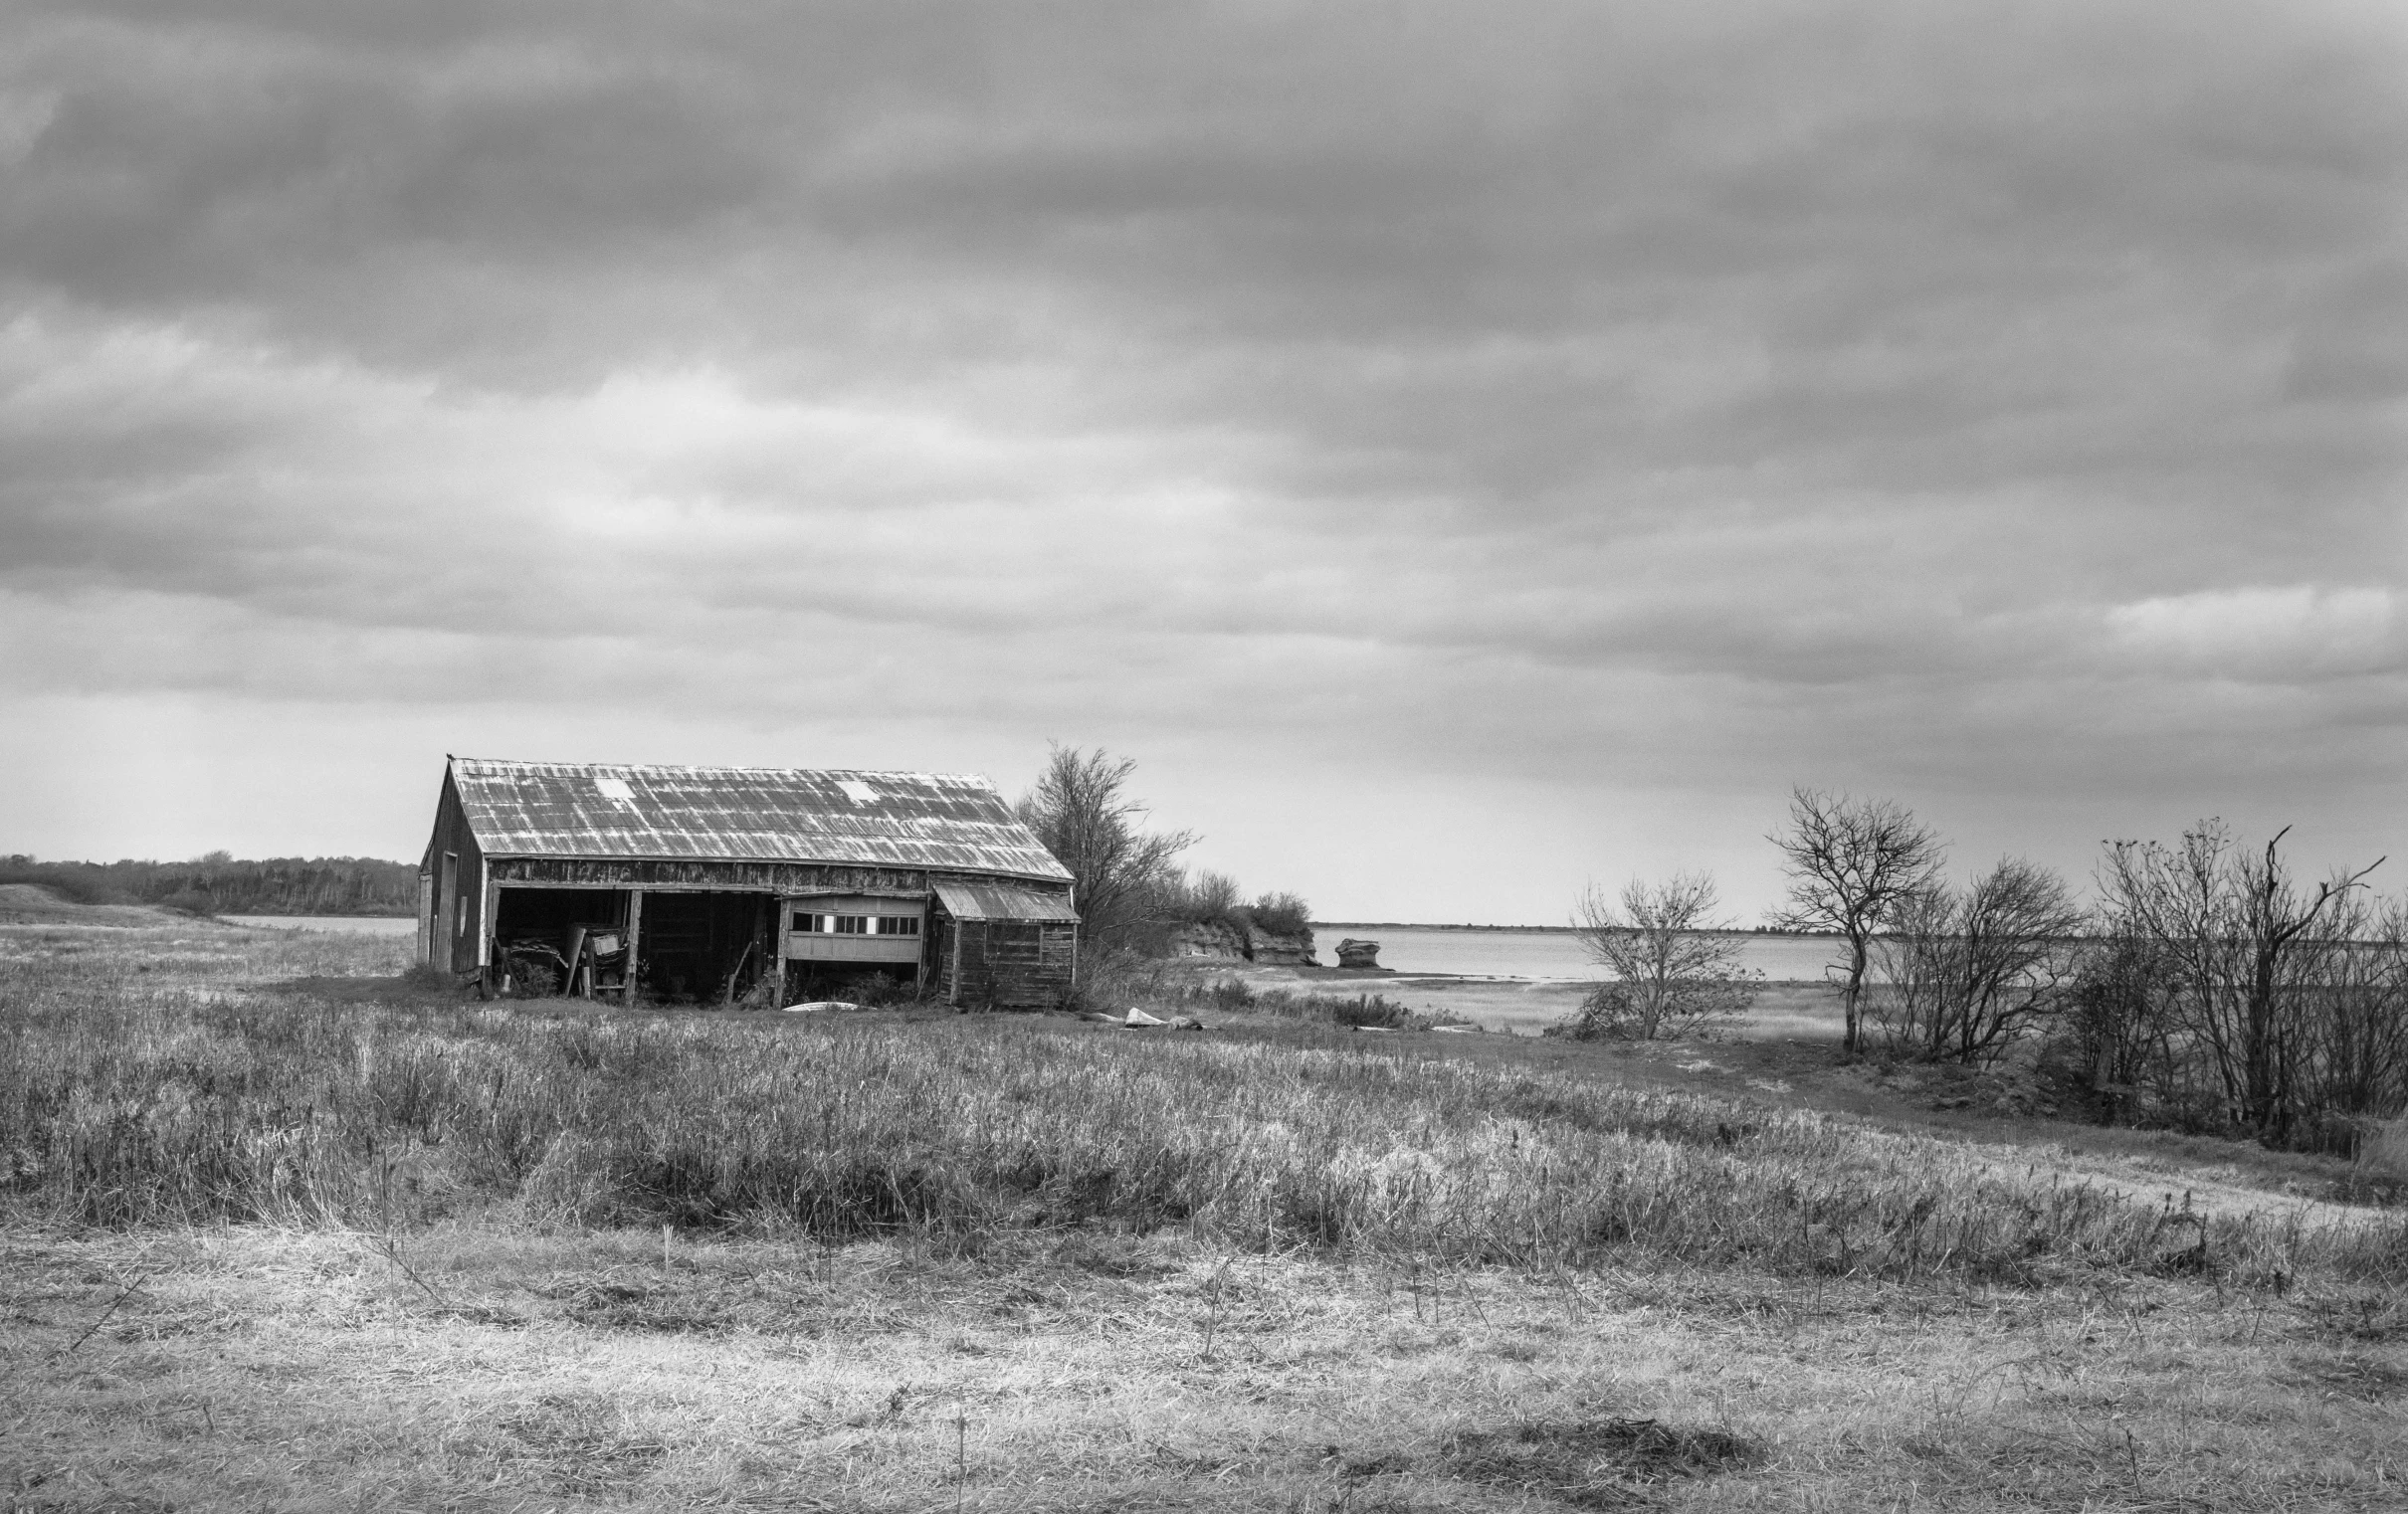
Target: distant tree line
(2204,988)
(219,883)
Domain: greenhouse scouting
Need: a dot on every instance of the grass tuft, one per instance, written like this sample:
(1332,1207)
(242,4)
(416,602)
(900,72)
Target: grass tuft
(1605,1463)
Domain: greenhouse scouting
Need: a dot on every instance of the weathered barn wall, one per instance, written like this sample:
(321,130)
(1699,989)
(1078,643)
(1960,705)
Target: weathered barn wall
(456,898)
(1014,964)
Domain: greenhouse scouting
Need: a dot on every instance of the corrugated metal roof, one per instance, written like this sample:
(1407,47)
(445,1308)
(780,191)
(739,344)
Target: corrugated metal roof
(769,814)
(993,901)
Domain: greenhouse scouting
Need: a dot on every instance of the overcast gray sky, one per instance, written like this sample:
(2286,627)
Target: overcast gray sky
(1459,450)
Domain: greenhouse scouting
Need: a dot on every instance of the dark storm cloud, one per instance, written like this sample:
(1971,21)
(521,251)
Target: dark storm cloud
(1973,389)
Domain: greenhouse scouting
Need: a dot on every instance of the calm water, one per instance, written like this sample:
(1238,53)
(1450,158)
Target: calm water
(1544,953)
(376,925)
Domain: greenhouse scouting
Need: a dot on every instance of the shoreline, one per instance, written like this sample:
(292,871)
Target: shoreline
(1317,973)
(1317,926)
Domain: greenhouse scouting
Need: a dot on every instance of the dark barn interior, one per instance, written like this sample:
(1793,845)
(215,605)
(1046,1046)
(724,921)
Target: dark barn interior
(700,948)
(531,912)
(703,948)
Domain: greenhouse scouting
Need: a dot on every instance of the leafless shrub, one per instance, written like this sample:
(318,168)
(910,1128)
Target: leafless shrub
(1971,971)
(1672,974)
(1283,914)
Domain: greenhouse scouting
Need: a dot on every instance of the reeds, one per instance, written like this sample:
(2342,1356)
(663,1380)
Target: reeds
(124,1105)
(1232,995)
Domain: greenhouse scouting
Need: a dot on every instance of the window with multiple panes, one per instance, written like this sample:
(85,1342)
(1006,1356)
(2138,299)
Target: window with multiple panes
(856,925)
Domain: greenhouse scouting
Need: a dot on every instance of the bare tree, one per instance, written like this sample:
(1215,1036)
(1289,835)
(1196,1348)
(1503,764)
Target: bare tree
(1081,810)
(2232,932)
(1673,975)
(1852,864)
(1971,970)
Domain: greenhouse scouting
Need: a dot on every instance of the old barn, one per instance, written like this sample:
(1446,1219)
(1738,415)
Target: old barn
(712,884)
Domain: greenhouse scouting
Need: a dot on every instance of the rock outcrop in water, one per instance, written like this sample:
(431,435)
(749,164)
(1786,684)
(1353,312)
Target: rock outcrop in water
(1357,954)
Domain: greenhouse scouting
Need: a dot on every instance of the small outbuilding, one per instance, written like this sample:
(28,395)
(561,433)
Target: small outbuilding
(707,884)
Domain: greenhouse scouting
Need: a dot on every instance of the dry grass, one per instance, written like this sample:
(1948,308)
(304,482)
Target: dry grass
(368,1247)
(123,1103)
(255,1368)
(2383,1154)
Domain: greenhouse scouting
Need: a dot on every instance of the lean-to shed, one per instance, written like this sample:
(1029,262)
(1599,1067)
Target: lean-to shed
(705,884)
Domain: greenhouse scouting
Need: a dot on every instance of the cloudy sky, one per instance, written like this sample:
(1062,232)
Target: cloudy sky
(1459,450)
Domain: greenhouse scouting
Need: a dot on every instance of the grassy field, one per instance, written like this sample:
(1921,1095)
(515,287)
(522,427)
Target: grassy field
(287,1230)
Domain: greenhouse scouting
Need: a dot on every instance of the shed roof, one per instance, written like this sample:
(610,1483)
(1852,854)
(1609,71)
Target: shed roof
(997,901)
(953,822)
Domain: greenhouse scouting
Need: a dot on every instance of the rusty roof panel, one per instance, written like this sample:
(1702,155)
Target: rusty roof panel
(945,821)
(994,901)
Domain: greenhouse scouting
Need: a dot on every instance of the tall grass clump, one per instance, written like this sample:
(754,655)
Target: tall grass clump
(1153,986)
(1371,1012)
(124,1105)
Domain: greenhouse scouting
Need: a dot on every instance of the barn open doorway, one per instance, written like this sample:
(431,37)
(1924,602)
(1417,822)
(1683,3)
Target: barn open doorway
(559,941)
(705,948)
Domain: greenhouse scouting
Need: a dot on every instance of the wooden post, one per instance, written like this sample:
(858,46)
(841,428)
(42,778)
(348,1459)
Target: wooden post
(781,908)
(635,932)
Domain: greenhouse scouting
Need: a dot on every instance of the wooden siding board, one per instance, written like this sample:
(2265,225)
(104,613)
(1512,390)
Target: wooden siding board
(487,912)
(466,953)
(1002,964)
(426,917)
